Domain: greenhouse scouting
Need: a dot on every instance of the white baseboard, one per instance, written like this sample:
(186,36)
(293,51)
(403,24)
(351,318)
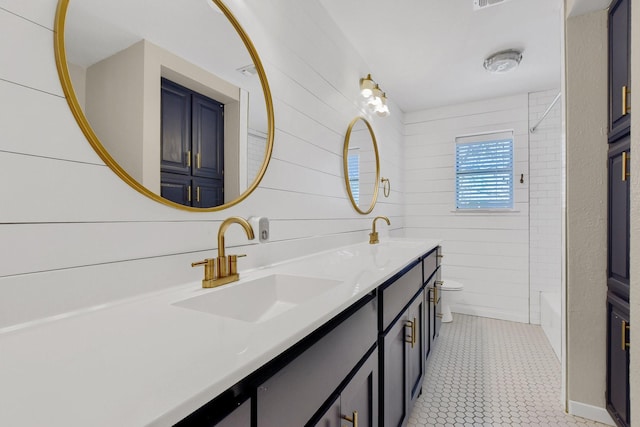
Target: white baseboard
(590,412)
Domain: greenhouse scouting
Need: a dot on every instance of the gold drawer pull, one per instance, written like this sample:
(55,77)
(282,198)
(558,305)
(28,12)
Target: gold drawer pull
(189,158)
(625,159)
(353,419)
(189,193)
(411,338)
(625,109)
(625,328)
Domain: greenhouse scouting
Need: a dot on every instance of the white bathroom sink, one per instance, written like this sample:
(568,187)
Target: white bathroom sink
(260,299)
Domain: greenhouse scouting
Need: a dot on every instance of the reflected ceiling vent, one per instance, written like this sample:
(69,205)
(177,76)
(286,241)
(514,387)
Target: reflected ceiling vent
(481,4)
(248,70)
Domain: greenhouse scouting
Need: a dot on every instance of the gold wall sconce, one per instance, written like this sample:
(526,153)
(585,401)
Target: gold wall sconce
(376,98)
(386,186)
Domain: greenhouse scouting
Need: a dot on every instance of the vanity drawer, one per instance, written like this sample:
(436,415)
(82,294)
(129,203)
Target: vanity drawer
(397,295)
(431,263)
(294,394)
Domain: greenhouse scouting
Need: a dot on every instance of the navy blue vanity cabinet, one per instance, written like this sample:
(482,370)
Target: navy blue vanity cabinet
(192,147)
(297,394)
(401,342)
(619,68)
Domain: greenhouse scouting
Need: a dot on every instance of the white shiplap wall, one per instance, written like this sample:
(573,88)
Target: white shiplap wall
(74,236)
(488,252)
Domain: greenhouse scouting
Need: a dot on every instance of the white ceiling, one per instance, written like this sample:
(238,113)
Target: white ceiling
(428,53)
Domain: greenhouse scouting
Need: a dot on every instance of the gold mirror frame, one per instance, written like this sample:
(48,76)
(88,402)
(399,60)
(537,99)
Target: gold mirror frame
(76,110)
(345,161)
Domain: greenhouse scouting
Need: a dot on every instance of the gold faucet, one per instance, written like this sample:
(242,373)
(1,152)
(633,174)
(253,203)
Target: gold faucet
(373,236)
(223,269)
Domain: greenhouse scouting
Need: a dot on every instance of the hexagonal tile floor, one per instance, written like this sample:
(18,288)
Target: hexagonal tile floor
(488,372)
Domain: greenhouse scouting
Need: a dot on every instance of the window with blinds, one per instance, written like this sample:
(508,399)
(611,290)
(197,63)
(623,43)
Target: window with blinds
(484,171)
(353,163)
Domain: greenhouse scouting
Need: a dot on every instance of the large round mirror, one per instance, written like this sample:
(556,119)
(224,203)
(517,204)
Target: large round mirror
(361,165)
(171,94)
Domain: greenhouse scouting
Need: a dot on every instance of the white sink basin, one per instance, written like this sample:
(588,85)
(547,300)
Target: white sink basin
(261,299)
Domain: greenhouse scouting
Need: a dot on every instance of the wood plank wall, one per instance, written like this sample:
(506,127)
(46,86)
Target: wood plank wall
(74,236)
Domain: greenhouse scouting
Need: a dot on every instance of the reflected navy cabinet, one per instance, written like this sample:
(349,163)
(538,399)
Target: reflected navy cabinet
(192,147)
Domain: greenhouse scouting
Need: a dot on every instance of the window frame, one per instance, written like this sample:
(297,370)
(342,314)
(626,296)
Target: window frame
(485,138)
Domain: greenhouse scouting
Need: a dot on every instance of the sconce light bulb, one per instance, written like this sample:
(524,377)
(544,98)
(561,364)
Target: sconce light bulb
(366,86)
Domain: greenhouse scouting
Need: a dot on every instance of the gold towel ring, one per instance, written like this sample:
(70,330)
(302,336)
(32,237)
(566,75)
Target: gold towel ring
(386,186)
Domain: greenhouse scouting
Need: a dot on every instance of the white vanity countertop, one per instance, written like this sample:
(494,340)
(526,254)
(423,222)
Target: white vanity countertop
(144,361)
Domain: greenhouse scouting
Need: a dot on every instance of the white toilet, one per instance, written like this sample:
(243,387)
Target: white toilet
(449,296)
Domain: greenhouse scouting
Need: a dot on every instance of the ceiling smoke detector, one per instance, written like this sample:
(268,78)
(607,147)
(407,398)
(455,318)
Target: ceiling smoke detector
(504,61)
(481,4)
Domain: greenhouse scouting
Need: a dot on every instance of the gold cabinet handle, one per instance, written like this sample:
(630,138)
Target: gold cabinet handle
(625,328)
(435,295)
(189,193)
(625,159)
(198,194)
(411,338)
(625,91)
(353,419)
(413,332)
(198,161)
(189,158)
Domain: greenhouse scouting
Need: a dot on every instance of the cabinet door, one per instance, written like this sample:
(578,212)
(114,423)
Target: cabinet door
(437,305)
(176,187)
(175,137)
(331,418)
(241,417)
(618,220)
(208,137)
(618,360)
(208,193)
(619,82)
(416,349)
(360,397)
(395,367)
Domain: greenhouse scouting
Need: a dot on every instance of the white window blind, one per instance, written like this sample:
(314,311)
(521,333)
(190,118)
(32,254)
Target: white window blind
(354,176)
(484,171)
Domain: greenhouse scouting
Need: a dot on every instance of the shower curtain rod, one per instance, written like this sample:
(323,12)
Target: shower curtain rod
(533,129)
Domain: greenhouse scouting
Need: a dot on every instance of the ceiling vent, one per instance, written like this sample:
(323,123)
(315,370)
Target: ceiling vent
(481,4)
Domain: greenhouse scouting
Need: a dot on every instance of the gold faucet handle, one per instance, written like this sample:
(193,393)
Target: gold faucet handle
(209,267)
(233,263)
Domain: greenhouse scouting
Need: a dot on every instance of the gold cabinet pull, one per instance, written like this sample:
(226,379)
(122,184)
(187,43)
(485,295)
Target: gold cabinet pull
(189,158)
(625,109)
(198,161)
(353,419)
(435,295)
(411,338)
(625,328)
(413,332)
(198,194)
(625,159)
(189,193)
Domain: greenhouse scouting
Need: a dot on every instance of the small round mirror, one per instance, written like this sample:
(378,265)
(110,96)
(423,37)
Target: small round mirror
(361,165)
